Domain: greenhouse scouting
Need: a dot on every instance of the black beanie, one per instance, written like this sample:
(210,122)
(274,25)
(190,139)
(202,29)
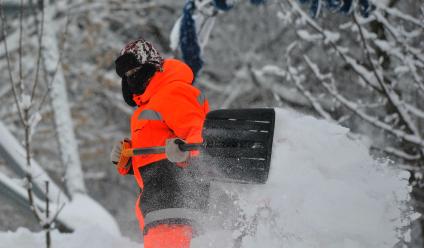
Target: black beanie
(125,63)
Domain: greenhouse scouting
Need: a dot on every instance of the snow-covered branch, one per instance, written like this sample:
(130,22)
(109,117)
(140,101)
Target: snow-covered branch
(18,194)
(330,87)
(14,154)
(383,52)
(314,102)
(391,95)
(401,36)
(398,153)
(401,15)
(295,97)
(331,38)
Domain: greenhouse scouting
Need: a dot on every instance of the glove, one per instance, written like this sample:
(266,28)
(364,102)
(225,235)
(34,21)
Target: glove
(122,162)
(173,151)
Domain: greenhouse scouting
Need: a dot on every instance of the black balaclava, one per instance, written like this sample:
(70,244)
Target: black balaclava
(126,93)
(138,81)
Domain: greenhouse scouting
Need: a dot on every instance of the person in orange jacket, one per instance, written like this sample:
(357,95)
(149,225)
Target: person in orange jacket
(167,106)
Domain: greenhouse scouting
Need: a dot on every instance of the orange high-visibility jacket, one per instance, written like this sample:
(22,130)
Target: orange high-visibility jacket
(170,107)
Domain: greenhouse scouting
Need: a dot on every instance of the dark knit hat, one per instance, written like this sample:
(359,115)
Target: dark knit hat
(137,53)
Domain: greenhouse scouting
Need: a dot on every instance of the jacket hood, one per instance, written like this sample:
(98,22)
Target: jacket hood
(173,70)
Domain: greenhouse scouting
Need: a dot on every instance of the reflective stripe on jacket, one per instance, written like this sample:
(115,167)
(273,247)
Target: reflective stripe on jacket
(170,107)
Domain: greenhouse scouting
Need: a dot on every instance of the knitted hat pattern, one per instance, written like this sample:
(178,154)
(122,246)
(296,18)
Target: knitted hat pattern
(144,53)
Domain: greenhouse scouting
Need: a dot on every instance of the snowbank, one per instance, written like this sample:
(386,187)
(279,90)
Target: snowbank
(324,190)
(83,211)
(87,237)
(94,227)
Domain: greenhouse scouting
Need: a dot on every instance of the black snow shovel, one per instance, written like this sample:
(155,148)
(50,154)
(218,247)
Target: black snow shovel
(237,145)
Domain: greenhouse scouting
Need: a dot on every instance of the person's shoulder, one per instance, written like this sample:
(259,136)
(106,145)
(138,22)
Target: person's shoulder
(177,88)
(172,62)
(173,92)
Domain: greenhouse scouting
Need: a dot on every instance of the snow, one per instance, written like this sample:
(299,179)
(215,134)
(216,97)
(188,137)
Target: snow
(83,211)
(86,237)
(324,190)
(174,36)
(305,35)
(331,37)
(15,156)
(33,122)
(204,26)
(25,101)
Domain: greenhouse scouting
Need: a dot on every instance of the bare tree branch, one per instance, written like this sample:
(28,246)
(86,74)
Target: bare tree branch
(47,226)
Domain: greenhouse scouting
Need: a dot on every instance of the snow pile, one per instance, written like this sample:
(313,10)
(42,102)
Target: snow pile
(87,237)
(324,190)
(94,227)
(83,211)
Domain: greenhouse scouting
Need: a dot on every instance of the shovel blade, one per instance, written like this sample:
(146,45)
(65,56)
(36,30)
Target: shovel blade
(238,144)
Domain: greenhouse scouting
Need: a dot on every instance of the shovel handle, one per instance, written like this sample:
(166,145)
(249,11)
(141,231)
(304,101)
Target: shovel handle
(128,152)
(191,147)
(159,149)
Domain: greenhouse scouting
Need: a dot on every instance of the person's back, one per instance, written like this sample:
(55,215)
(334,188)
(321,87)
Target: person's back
(168,106)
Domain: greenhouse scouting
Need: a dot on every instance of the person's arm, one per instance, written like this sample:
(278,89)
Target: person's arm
(182,112)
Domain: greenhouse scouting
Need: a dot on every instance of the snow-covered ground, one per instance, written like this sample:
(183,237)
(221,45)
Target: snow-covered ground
(88,237)
(324,190)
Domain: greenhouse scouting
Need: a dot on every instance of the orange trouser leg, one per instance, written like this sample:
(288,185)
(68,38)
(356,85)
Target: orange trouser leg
(168,236)
(139,214)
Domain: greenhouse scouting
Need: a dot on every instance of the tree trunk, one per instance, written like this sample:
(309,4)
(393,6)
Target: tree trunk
(59,100)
